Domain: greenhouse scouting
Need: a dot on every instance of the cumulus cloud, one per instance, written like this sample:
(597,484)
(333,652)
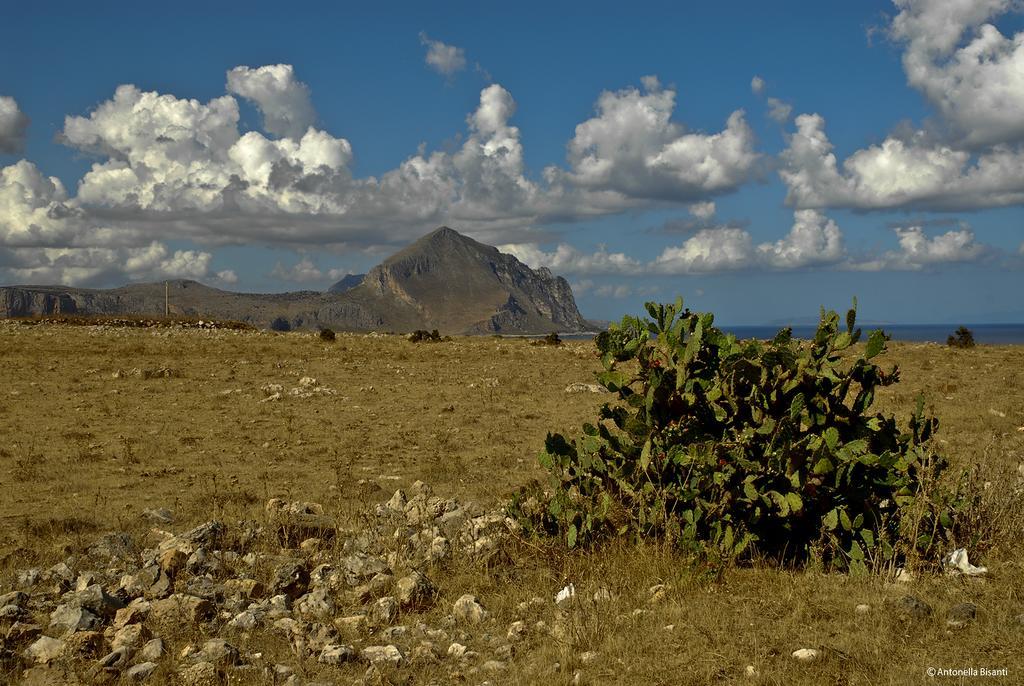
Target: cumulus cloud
(963,64)
(897,173)
(443,58)
(13,126)
(702,210)
(917,251)
(227,276)
(633,148)
(283,100)
(779,110)
(569,260)
(303,271)
(757,85)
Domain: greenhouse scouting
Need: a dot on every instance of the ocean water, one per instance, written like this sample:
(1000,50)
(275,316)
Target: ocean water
(993,334)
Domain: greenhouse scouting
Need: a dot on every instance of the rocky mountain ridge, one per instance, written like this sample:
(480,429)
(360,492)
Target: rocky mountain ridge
(443,281)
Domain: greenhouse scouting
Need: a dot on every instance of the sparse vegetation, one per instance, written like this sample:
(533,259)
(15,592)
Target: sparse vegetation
(961,338)
(327,335)
(423,336)
(550,339)
(203,445)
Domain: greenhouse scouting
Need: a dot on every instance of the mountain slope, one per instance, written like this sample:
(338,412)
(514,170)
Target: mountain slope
(443,281)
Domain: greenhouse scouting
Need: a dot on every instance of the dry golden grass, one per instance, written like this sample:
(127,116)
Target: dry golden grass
(82,453)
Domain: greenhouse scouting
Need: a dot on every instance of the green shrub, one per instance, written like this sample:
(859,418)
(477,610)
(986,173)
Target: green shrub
(423,336)
(962,338)
(280,324)
(727,446)
(327,335)
(550,339)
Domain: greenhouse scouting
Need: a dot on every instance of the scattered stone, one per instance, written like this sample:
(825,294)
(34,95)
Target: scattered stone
(244,621)
(140,672)
(862,609)
(904,576)
(44,650)
(414,590)
(456,650)
(579,387)
(135,612)
(200,674)
(381,655)
(914,608)
(131,636)
(316,604)
(69,618)
(153,650)
(468,610)
(181,609)
(115,660)
(16,598)
(84,644)
(219,652)
(565,597)
(98,601)
(602,595)
(383,612)
(588,657)
(961,614)
(658,593)
(807,655)
(334,654)
(290,579)
(493,666)
(516,630)
(751,672)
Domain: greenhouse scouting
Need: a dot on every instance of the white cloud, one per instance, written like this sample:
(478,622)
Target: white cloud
(710,250)
(897,173)
(757,85)
(13,126)
(567,259)
(965,66)
(779,110)
(444,59)
(227,276)
(814,239)
(918,251)
(303,271)
(703,210)
(283,100)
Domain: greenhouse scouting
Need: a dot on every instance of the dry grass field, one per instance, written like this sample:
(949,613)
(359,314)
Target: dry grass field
(99,424)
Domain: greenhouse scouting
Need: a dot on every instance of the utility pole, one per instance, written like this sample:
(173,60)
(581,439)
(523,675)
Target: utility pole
(167,302)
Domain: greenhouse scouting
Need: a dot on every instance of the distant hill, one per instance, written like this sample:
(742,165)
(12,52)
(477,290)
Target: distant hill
(347,283)
(443,281)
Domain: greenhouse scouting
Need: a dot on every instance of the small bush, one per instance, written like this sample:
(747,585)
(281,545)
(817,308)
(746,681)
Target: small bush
(327,335)
(726,447)
(550,339)
(961,338)
(280,324)
(423,336)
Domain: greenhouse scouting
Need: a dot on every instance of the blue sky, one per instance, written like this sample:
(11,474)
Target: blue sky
(760,159)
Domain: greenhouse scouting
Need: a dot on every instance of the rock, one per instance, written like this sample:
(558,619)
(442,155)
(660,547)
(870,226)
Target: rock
(468,610)
(957,563)
(140,672)
(83,644)
(579,387)
(439,549)
(219,652)
(160,515)
(360,567)
(806,655)
(751,672)
(15,598)
(602,595)
(20,634)
(98,601)
(904,576)
(516,630)
(172,561)
(960,615)
(335,654)
(398,502)
(914,608)
(247,589)
(244,621)
(316,604)
(290,579)
(350,624)
(44,650)
(862,609)
(153,651)
(11,613)
(658,593)
(28,578)
(131,636)
(383,655)
(383,612)
(200,674)
(181,609)
(588,657)
(414,590)
(493,666)
(203,536)
(114,546)
(116,660)
(456,650)
(70,618)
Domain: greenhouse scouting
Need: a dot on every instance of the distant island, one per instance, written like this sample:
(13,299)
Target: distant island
(443,281)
